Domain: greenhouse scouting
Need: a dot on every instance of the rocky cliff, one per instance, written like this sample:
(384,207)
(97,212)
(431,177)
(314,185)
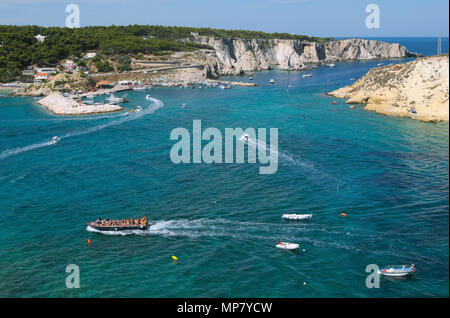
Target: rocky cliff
(417,89)
(235,55)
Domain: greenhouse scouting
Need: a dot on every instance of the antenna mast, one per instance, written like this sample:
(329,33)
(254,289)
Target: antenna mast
(439,48)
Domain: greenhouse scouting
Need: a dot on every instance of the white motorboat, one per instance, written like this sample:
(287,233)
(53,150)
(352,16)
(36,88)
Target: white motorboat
(55,139)
(331,65)
(114,99)
(139,88)
(272,81)
(307,75)
(297,216)
(397,270)
(138,109)
(287,246)
(148,97)
(380,64)
(244,137)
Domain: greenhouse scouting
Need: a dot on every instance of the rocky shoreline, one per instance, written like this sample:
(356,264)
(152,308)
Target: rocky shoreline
(418,89)
(236,56)
(60,105)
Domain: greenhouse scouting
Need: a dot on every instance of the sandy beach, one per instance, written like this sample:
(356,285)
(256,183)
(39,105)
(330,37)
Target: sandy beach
(60,105)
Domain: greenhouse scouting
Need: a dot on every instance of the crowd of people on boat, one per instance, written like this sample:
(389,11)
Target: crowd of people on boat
(121,223)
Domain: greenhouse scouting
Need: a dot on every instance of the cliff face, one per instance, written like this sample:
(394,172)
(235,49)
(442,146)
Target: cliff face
(235,56)
(417,89)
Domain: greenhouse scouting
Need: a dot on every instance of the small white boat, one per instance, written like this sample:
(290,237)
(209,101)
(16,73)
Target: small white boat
(55,139)
(397,270)
(138,109)
(244,138)
(139,88)
(222,86)
(148,97)
(287,246)
(113,99)
(183,106)
(307,75)
(331,65)
(272,81)
(297,216)
(380,64)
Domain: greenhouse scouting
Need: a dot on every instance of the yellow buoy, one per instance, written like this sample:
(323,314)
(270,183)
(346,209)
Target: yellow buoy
(175,258)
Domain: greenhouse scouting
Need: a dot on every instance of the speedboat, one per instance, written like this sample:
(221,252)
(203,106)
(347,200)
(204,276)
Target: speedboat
(148,97)
(380,64)
(331,65)
(272,81)
(55,139)
(138,109)
(244,137)
(287,246)
(397,270)
(183,106)
(131,224)
(307,75)
(297,216)
(139,88)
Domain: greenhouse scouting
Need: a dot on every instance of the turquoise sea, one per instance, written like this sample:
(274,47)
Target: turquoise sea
(222,221)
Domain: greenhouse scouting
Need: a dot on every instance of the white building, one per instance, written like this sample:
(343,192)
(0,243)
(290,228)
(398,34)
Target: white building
(90,55)
(41,76)
(51,70)
(195,34)
(40,38)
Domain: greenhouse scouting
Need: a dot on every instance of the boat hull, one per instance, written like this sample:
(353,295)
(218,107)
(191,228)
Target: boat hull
(297,217)
(119,228)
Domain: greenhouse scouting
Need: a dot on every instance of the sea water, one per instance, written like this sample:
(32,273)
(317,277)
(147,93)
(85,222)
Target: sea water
(222,221)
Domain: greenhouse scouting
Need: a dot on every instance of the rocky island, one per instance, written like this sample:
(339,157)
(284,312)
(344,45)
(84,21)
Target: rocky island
(418,89)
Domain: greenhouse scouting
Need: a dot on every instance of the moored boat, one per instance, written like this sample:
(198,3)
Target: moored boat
(397,270)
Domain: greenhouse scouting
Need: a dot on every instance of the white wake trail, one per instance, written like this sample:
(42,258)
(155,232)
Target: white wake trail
(155,105)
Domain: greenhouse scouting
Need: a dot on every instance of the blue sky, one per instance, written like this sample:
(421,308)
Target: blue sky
(312,17)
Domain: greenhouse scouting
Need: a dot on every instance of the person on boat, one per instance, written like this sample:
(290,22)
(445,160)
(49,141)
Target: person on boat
(99,220)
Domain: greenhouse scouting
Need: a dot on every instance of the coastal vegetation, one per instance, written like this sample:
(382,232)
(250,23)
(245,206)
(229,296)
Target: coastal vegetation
(21,49)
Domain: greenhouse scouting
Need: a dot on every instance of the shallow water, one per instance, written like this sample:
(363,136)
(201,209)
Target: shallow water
(222,221)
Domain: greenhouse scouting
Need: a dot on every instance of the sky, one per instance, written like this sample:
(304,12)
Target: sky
(327,18)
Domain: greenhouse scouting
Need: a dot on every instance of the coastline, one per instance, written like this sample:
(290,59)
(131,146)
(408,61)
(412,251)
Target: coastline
(418,90)
(60,105)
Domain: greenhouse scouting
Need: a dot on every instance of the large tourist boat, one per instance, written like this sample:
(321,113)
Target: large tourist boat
(130,224)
